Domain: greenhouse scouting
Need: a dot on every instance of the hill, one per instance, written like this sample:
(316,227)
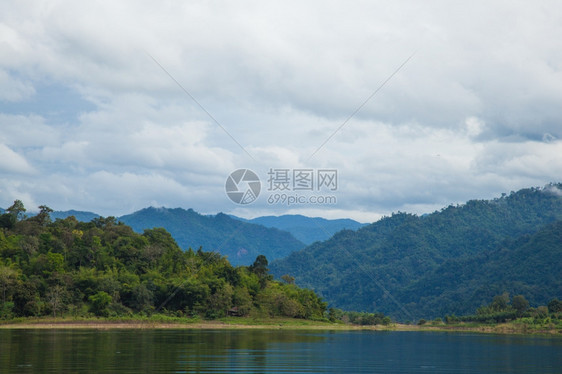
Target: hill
(306,229)
(104,268)
(79,215)
(240,241)
(529,265)
(403,265)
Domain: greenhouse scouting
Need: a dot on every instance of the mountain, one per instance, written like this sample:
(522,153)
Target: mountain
(306,229)
(404,265)
(529,265)
(79,215)
(242,242)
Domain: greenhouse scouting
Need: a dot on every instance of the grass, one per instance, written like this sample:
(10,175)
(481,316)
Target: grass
(521,326)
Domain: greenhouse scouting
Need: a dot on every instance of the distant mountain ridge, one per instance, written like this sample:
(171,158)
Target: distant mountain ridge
(242,242)
(79,215)
(409,266)
(306,229)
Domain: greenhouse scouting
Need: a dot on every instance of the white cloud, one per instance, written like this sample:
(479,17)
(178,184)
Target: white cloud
(474,113)
(27,131)
(13,89)
(13,163)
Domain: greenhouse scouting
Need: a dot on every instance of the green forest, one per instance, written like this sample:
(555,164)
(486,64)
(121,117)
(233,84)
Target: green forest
(240,241)
(103,268)
(451,261)
(403,268)
(504,309)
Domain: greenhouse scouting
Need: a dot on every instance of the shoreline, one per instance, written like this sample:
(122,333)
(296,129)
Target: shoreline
(101,324)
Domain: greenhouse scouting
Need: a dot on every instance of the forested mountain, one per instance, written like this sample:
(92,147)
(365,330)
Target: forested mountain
(451,260)
(104,268)
(191,229)
(530,265)
(306,229)
(79,215)
(240,241)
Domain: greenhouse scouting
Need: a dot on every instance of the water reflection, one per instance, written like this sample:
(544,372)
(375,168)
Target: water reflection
(143,350)
(273,351)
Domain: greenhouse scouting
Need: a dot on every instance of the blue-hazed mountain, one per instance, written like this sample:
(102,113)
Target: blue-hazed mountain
(530,265)
(79,215)
(306,229)
(242,242)
(448,261)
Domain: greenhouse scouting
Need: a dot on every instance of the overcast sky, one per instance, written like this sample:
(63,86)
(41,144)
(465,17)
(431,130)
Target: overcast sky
(92,115)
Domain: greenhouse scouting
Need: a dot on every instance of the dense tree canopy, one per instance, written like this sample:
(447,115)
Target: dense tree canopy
(502,309)
(241,241)
(104,268)
(451,261)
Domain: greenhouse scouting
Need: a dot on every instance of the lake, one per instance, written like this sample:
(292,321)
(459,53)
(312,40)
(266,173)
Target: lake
(274,351)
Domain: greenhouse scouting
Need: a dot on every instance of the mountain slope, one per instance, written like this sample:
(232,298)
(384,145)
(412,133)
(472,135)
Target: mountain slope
(307,229)
(79,215)
(530,266)
(370,269)
(242,242)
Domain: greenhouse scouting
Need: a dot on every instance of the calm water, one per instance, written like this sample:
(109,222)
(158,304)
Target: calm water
(246,351)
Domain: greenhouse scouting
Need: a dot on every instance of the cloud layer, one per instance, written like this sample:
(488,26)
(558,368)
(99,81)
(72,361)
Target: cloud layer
(92,115)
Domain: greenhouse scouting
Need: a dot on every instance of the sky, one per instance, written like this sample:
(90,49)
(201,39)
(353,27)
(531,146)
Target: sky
(112,107)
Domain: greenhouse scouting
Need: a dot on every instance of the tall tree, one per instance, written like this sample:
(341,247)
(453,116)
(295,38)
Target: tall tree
(259,267)
(17,209)
(520,304)
(44,217)
(8,277)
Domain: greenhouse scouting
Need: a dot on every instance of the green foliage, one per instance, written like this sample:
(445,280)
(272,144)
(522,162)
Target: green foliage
(259,268)
(100,301)
(520,304)
(245,241)
(288,279)
(357,318)
(104,268)
(12,215)
(500,310)
(7,220)
(555,306)
(450,261)
(17,209)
